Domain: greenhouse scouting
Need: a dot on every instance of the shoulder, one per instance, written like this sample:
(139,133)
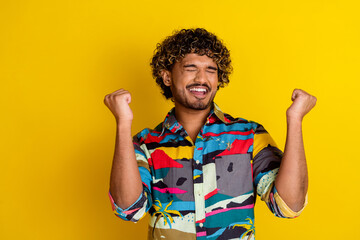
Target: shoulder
(146,133)
(250,124)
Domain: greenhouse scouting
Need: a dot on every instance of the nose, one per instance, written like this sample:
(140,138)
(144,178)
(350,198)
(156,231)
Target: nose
(201,76)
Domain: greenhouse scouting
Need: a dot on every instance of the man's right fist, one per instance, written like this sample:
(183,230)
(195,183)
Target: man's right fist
(118,103)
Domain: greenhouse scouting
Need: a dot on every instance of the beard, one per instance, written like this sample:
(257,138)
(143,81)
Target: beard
(179,96)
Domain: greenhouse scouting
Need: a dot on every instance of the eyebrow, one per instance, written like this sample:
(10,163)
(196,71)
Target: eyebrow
(193,65)
(213,68)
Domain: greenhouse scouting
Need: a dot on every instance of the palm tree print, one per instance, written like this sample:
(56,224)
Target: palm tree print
(250,228)
(159,210)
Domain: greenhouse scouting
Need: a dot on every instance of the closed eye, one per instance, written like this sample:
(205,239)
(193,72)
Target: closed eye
(190,67)
(193,68)
(212,69)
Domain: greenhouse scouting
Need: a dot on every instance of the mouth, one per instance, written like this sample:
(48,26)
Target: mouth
(199,92)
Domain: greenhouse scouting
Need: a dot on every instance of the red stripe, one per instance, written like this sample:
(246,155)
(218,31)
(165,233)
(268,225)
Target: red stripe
(226,119)
(151,139)
(201,221)
(238,147)
(159,159)
(210,194)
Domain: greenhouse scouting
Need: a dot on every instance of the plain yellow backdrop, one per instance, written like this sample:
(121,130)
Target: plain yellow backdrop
(58,59)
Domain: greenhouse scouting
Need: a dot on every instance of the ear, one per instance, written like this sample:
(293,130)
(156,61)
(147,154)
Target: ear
(166,76)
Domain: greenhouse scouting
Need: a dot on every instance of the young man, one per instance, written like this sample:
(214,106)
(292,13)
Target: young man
(199,171)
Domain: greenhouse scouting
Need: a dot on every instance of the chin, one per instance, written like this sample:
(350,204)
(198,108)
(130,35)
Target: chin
(194,103)
(199,105)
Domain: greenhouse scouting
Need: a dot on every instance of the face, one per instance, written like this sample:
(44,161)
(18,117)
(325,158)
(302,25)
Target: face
(193,81)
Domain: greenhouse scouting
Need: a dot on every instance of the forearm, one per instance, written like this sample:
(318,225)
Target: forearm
(125,180)
(292,179)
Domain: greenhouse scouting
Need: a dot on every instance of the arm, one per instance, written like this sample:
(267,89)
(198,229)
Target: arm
(292,179)
(125,180)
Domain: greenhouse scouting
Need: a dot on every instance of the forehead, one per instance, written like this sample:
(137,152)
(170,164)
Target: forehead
(195,58)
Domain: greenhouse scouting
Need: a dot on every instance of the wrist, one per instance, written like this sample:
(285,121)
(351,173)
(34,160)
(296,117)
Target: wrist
(124,124)
(294,120)
(293,116)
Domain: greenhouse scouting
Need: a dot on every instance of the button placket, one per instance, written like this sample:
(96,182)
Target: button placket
(198,187)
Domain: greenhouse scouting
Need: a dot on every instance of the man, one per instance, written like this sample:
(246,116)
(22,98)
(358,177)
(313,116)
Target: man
(198,172)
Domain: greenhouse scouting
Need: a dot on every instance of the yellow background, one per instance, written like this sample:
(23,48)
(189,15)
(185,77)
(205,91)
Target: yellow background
(58,59)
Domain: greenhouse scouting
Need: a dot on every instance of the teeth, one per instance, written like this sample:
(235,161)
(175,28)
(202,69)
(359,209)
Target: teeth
(197,90)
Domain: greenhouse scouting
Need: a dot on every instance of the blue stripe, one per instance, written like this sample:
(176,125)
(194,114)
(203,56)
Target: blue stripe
(220,128)
(197,172)
(145,176)
(180,206)
(141,153)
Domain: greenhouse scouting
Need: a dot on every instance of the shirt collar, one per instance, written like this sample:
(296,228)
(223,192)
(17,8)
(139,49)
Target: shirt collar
(174,126)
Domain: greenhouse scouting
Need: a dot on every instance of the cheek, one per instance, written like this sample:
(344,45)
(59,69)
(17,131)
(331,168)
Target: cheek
(176,90)
(215,82)
(213,78)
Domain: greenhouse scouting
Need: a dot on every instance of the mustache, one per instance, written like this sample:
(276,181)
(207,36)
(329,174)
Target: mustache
(198,85)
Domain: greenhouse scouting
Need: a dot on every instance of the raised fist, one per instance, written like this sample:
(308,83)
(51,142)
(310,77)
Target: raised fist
(118,103)
(302,104)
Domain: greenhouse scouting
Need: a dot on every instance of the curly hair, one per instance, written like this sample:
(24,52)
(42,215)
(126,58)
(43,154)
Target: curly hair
(184,41)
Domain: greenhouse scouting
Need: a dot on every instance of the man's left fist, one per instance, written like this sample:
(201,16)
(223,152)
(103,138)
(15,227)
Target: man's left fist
(302,104)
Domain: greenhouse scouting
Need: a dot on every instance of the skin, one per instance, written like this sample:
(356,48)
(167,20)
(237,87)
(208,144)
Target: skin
(292,179)
(192,71)
(124,166)
(191,110)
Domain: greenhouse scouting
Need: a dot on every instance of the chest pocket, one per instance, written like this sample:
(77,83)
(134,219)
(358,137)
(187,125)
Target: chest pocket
(234,174)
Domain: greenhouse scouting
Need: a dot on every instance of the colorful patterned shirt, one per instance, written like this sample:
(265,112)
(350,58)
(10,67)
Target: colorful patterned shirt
(205,189)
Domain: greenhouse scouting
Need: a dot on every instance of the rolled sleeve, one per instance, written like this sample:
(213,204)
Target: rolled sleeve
(278,206)
(136,211)
(285,209)
(142,205)
(267,159)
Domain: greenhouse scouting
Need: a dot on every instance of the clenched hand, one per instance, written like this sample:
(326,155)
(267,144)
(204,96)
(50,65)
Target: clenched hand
(118,103)
(303,102)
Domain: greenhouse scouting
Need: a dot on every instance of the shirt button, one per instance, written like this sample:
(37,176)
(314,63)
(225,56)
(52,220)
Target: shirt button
(201,224)
(197,161)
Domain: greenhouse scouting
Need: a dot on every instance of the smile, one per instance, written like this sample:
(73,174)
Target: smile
(199,91)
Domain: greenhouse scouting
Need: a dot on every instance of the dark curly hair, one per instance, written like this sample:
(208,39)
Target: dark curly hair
(184,41)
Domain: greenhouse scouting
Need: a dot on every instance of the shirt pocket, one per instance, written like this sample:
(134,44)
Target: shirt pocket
(234,174)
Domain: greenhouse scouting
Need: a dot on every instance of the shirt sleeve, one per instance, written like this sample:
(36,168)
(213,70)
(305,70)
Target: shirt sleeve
(141,206)
(266,162)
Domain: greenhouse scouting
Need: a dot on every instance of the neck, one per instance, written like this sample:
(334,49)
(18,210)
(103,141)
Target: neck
(192,120)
